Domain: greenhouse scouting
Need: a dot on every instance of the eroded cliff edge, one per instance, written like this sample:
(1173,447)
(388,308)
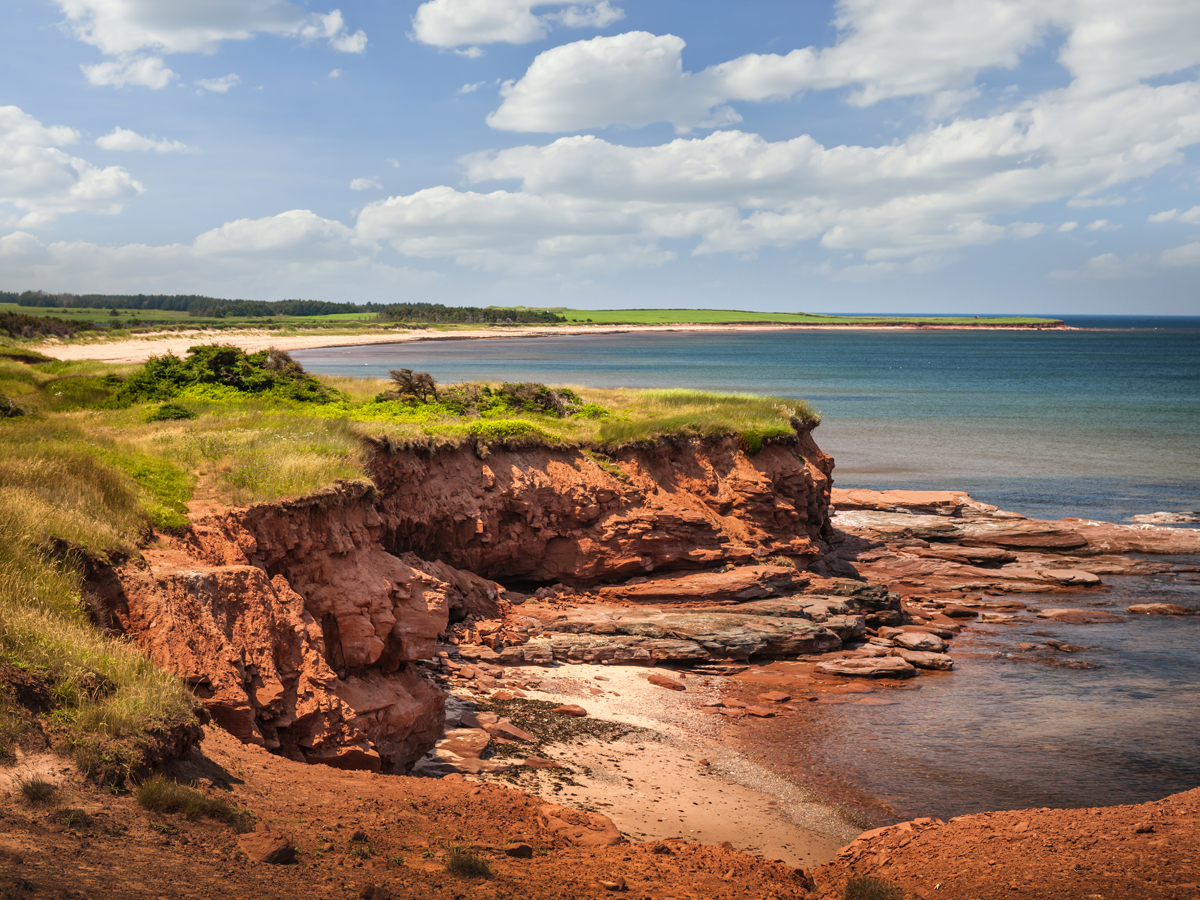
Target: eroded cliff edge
(299,623)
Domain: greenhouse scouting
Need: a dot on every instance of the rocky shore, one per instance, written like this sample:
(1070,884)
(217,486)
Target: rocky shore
(589,629)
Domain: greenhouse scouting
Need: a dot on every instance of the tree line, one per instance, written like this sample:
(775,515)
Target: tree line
(218,308)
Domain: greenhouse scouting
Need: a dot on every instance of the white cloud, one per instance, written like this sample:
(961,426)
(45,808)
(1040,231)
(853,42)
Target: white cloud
(220,85)
(365,184)
(307,254)
(1189,217)
(131,69)
(1187,255)
(1067,226)
(124,139)
(332,27)
(127,29)
(39,181)
(471,88)
(336,73)
(1105,267)
(1101,225)
(457,23)
(932,49)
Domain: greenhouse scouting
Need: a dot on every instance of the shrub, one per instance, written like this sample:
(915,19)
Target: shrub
(460,862)
(270,372)
(868,887)
(158,794)
(35,788)
(169,412)
(8,409)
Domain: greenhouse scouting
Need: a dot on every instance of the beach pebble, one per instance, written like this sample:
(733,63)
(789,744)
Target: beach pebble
(1160,609)
(664,682)
(570,709)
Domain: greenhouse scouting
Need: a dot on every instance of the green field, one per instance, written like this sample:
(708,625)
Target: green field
(738,316)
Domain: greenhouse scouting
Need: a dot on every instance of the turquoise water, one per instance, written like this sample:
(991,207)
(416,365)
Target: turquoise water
(1100,423)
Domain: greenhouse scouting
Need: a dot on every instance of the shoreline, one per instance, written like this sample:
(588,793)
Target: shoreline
(138,350)
(683,776)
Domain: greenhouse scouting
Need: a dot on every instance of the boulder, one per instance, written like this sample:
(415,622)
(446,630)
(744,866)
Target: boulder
(583,829)
(881,667)
(267,847)
(925,660)
(569,709)
(664,682)
(1160,609)
(920,641)
(1081,616)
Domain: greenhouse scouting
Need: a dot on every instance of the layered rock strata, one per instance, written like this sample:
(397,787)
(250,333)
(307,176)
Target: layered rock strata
(299,622)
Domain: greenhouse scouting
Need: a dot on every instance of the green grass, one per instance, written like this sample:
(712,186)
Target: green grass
(738,316)
(91,472)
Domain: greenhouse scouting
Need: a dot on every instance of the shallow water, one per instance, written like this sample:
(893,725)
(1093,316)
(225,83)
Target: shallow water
(1098,424)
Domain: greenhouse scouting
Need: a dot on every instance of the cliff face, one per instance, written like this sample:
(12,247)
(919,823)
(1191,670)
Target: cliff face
(299,623)
(549,515)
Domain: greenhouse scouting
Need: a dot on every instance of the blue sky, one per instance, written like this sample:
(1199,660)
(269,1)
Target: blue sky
(996,156)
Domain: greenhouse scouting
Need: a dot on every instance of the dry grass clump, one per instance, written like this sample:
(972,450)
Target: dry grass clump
(36,789)
(869,887)
(158,794)
(467,865)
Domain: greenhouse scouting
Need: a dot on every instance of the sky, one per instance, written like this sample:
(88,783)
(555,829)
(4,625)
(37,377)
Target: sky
(921,156)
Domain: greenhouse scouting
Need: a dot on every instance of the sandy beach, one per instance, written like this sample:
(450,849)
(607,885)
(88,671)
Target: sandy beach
(679,777)
(138,350)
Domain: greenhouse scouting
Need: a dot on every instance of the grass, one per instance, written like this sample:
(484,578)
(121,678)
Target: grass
(159,794)
(93,468)
(868,887)
(73,818)
(466,865)
(36,789)
(740,316)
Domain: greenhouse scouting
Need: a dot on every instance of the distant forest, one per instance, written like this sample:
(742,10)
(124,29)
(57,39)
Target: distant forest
(216,308)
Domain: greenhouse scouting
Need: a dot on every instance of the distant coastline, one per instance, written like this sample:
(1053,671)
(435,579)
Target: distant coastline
(139,349)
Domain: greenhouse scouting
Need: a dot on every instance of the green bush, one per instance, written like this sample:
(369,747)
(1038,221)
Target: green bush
(169,412)
(268,372)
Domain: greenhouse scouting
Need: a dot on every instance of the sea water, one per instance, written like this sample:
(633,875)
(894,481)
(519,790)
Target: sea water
(1102,422)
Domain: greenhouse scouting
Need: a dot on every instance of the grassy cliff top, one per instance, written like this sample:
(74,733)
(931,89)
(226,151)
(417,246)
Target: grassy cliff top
(94,456)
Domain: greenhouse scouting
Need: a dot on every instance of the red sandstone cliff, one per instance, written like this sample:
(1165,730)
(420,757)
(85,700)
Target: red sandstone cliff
(299,622)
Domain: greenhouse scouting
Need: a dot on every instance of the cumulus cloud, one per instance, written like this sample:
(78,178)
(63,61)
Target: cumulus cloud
(1105,267)
(1067,226)
(1187,255)
(932,49)
(1190,216)
(220,85)
(1102,225)
(365,184)
(137,33)
(458,23)
(124,139)
(40,181)
(309,256)
(471,88)
(130,69)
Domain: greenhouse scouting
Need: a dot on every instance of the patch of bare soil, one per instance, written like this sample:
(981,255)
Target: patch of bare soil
(1149,851)
(356,834)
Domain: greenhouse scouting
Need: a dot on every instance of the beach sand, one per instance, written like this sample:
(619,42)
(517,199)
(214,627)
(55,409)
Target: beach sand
(679,778)
(138,350)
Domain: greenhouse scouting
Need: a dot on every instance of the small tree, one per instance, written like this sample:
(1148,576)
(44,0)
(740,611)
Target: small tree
(417,385)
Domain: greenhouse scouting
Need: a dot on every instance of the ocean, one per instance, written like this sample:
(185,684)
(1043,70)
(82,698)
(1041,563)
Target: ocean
(1099,423)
